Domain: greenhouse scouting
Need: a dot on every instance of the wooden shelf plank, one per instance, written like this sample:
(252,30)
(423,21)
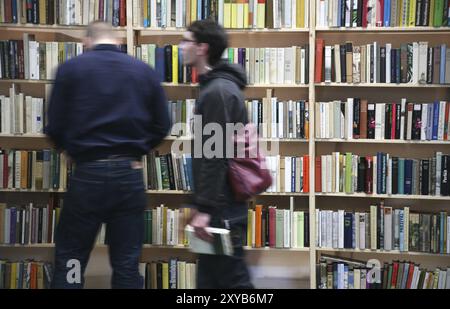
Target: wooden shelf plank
(385,196)
(391,252)
(384,141)
(383,85)
(402,30)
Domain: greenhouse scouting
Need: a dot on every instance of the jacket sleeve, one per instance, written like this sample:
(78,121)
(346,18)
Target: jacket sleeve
(214,170)
(57,109)
(160,124)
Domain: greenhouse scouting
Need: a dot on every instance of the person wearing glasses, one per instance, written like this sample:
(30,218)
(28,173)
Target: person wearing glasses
(220,101)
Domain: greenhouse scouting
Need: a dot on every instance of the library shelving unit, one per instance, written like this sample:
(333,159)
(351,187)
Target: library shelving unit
(279,262)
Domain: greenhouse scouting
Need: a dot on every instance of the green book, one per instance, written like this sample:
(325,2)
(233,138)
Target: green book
(438,13)
(348,172)
(389,277)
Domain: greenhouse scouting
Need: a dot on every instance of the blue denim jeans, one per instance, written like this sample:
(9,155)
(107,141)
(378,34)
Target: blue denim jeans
(112,192)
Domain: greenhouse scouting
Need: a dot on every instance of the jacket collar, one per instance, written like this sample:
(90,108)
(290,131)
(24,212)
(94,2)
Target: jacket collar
(110,47)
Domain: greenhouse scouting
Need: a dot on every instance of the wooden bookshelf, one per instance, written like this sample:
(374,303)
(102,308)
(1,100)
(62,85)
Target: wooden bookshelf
(316,92)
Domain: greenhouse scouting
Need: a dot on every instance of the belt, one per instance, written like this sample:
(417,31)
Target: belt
(119,157)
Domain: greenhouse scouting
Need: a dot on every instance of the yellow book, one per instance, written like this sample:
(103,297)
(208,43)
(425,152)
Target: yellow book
(165,275)
(193,10)
(145,13)
(42,13)
(261,17)
(175,64)
(430,20)
(249,227)
(227,13)
(246,19)
(234,14)
(40,276)
(13,276)
(240,14)
(300,14)
(412,13)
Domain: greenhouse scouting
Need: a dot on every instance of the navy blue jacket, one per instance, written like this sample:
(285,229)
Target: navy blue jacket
(105,102)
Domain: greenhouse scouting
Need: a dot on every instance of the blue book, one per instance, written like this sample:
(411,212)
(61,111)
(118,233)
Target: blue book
(351,279)
(15,18)
(429,128)
(293,169)
(115,17)
(339,13)
(401,176)
(346,275)
(434,135)
(160,63)
(408,176)
(387,13)
(442,64)
(348,233)
(199,9)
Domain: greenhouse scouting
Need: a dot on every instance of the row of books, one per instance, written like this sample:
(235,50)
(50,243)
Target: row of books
(30,59)
(277,228)
(384,228)
(32,223)
(415,63)
(288,65)
(26,274)
(169,274)
(63,12)
(20,114)
(341,273)
(279,119)
(382,174)
(233,14)
(355,118)
(387,13)
(34,169)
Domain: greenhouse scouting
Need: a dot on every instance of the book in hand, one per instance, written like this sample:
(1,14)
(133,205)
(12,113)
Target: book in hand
(221,244)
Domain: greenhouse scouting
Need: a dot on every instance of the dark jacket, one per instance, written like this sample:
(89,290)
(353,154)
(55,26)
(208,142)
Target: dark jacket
(220,95)
(105,102)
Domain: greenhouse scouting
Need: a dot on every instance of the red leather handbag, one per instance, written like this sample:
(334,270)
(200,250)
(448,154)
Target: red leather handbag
(247,171)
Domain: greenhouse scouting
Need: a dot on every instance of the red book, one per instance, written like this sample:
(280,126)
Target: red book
(364,14)
(305,173)
(258,218)
(194,76)
(394,120)
(318,174)
(394,275)
(410,275)
(320,43)
(123,13)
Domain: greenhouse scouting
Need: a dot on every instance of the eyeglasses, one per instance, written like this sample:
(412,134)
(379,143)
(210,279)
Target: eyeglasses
(184,41)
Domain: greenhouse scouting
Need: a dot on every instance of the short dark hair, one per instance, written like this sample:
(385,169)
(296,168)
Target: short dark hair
(209,32)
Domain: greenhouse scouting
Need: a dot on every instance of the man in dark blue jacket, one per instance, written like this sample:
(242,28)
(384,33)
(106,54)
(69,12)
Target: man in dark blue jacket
(106,111)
